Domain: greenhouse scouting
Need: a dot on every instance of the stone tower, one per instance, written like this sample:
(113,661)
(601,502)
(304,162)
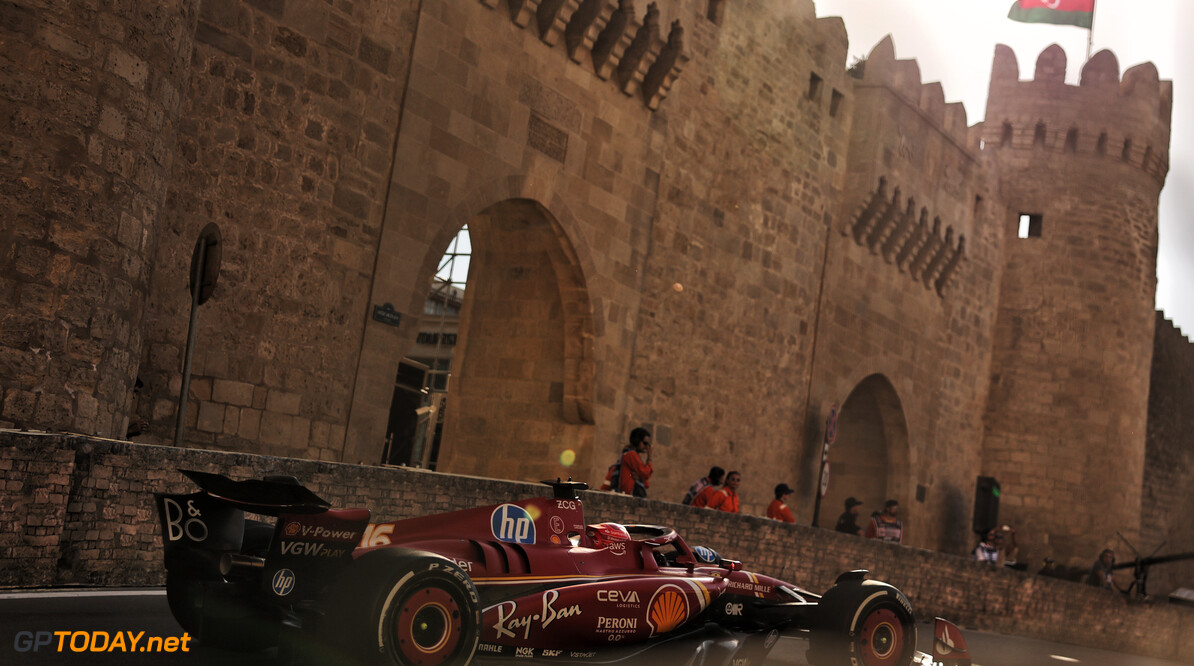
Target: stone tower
(91,96)
(1081,169)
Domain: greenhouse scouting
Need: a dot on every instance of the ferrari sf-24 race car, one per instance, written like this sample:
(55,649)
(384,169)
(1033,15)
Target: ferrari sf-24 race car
(522,579)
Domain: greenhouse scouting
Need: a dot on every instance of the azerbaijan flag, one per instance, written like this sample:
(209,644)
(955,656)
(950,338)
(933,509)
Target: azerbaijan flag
(1061,12)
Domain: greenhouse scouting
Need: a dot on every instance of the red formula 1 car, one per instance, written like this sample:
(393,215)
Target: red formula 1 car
(523,579)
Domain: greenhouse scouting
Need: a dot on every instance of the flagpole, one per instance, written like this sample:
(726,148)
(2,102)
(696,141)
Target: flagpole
(1090,31)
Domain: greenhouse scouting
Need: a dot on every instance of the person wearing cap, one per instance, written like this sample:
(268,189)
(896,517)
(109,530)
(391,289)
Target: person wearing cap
(848,521)
(778,510)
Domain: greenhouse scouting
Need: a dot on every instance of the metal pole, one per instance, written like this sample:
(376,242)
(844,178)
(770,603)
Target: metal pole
(196,285)
(820,481)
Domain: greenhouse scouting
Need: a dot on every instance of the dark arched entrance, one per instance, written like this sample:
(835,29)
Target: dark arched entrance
(519,401)
(869,457)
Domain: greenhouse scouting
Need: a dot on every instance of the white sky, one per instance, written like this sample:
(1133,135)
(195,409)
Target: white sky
(954,42)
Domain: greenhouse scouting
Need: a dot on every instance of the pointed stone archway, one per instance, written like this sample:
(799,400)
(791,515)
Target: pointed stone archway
(519,402)
(869,459)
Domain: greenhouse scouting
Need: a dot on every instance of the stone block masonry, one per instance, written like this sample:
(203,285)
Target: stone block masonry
(79,511)
(688,214)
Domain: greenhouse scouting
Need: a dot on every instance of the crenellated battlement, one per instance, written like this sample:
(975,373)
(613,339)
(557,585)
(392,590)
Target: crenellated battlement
(1166,327)
(903,78)
(1104,116)
(896,228)
(609,37)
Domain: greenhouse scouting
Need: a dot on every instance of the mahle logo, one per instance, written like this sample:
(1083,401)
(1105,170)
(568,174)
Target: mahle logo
(511,523)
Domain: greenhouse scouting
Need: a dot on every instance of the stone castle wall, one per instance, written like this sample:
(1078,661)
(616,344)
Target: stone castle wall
(912,276)
(286,142)
(1069,388)
(688,215)
(91,97)
(1169,459)
(80,511)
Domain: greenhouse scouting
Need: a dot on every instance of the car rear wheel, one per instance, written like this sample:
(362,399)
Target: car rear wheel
(407,608)
(866,623)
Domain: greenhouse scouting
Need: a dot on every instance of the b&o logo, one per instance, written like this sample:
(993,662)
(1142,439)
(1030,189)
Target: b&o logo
(283,582)
(192,527)
(511,523)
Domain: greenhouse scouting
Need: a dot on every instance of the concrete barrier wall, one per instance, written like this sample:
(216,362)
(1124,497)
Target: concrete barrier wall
(79,511)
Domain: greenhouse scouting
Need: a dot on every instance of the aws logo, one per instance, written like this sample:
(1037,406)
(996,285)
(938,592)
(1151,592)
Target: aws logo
(511,523)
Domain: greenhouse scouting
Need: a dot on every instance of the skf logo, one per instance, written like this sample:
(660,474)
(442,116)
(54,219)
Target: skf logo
(511,523)
(283,582)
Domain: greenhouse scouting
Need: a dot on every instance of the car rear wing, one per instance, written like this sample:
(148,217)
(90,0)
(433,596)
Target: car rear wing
(206,535)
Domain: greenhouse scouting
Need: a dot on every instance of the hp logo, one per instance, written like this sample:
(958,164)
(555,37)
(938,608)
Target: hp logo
(283,582)
(706,555)
(511,523)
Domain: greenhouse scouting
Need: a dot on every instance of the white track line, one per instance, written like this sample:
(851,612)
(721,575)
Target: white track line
(76,594)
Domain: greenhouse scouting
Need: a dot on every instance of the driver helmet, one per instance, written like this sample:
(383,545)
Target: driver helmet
(607,534)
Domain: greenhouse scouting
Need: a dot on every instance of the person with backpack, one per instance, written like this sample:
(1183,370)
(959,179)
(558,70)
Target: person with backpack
(631,473)
(716,474)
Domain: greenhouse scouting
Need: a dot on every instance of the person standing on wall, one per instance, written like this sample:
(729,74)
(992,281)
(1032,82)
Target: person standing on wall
(1101,573)
(778,509)
(636,469)
(716,474)
(722,499)
(848,521)
(887,526)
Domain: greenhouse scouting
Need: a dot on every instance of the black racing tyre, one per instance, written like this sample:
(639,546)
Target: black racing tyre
(407,608)
(863,623)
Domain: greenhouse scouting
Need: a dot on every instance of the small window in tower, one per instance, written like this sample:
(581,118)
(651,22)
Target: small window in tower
(835,103)
(1030,225)
(1006,139)
(1127,154)
(978,204)
(1102,147)
(814,86)
(714,11)
(1038,139)
(1071,140)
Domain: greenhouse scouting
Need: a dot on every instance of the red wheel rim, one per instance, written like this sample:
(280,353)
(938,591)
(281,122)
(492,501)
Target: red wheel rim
(428,626)
(882,638)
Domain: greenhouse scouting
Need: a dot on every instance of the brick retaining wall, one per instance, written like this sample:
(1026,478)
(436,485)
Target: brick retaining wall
(78,511)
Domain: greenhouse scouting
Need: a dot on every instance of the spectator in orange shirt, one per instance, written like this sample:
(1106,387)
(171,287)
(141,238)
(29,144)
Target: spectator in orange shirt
(778,509)
(636,464)
(724,498)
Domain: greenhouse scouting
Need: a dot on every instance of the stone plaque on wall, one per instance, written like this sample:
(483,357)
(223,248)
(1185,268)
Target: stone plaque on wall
(547,138)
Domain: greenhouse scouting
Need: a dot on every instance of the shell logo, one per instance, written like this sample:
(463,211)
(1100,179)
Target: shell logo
(668,609)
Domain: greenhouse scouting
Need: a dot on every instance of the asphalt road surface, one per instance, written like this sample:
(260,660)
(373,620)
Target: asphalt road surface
(29,620)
